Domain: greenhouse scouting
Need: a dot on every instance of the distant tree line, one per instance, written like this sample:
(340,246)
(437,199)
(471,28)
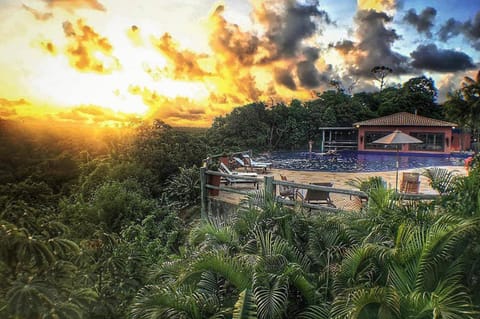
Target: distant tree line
(283,126)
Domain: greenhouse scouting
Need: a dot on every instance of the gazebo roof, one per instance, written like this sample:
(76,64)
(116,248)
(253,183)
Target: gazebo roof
(404,119)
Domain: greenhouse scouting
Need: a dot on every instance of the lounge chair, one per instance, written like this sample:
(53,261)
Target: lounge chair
(236,177)
(254,164)
(226,170)
(242,163)
(410,183)
(314,196)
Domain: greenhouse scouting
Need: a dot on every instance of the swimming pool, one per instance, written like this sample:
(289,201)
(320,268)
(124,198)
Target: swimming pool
(353,161)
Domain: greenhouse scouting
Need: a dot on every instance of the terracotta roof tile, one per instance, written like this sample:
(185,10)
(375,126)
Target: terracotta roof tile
(404,119)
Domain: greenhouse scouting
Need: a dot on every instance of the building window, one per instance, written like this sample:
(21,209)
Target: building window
(371,136)
(432,142)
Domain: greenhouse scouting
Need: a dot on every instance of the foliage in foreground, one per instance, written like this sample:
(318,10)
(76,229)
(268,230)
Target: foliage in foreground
(391,260)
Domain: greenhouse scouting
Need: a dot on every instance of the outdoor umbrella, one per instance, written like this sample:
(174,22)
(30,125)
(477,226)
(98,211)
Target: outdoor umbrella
(397,138)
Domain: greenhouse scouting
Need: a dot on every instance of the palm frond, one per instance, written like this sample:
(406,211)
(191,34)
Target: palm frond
(440,179)
(232,269)
(245,307)
(376,302)
(271,294)
(316,312)
(155,302)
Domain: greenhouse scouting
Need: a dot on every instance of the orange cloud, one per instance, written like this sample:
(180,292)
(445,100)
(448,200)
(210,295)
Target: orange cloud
(185,63)
(41,16)
(175,111)
(7,113)
(72,5)
(87,50)
(377,5)
(9,103)
(92,114)
(8,107)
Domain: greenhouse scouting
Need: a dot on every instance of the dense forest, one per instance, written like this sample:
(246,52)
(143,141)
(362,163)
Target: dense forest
(105,224)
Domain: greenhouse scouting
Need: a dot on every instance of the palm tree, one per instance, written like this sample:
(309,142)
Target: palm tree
(246,266)
(419,277)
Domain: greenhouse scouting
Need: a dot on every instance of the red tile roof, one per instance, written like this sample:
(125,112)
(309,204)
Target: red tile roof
(404,119)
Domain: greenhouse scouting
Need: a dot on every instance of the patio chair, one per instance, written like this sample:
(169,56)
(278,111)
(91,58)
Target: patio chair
(236,177)
(314,196)
(410,183)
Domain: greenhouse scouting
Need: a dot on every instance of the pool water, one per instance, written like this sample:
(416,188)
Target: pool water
(353,161)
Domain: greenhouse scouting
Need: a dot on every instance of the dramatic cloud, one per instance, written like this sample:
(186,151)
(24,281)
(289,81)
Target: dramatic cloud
(469,29)
(72,5)
(286,29)
(429,57)
(374,46)
(41,16)
(377,5)
(185,63)
(285,78)
(235,50)
(179,110)
(422,22)
(451,28)
(8,107)
(307,71)
(87,50)
(9,103)
(234,45)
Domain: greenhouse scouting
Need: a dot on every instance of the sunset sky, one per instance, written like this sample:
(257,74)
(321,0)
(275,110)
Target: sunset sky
(188,61)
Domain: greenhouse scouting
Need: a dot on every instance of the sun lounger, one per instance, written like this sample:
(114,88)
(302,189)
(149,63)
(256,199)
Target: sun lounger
(256,165)
(226,170)
(314,196)
(241,163)
(236,177)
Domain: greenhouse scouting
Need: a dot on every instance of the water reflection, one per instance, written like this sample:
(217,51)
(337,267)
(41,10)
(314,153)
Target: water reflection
(352,161)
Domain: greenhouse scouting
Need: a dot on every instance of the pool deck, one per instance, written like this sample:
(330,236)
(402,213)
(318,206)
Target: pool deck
(340,179)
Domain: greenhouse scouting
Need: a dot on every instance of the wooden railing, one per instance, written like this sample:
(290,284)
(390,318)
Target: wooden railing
(269,185)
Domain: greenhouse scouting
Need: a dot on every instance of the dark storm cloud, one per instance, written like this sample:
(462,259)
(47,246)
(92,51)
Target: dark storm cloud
(374,46)
(429,57)
(297,22)
(311,53)
(308,74)
(307,71)
(423,22)
(469,29)
(285,78)
(344,46)
(450,29)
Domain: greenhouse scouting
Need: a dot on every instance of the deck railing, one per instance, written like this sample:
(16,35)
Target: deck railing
(351,199)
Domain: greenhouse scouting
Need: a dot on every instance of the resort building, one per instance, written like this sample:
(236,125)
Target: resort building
(437,136)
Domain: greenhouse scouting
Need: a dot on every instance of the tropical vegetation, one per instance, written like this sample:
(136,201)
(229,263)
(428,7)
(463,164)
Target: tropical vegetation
(108,225)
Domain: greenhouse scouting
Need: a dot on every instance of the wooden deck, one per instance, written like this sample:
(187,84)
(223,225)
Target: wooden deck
(344,196)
